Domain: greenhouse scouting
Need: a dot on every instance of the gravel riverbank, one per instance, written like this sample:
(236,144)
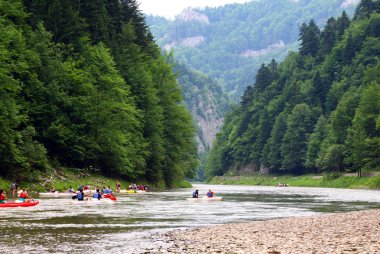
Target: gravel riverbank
(351,232)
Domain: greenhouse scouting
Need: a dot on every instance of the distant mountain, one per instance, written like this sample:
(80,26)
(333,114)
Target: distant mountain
(230,43)
(206,102)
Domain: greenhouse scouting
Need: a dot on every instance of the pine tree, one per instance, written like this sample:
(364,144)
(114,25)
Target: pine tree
(328,36)
(342,24)
(294,143)
(364,9)
(309,36)
(275,142)
(315,143)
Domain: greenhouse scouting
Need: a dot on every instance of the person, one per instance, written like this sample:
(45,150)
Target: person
(97,195)
(80,195)
(104,190)
(52,190)
(24,195)
(118,185)
(3,197)
(109,190)
(195,194)
(13,189)
(210,194)
(70,190)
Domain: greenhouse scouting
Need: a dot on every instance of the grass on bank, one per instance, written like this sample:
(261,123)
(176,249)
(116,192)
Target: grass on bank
(64,178)
(349,182)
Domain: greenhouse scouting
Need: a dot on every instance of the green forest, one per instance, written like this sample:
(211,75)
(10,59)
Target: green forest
(83,85)
(317,111)
(268,28)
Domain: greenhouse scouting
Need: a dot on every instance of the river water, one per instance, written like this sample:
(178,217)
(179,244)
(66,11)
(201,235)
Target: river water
(59,225)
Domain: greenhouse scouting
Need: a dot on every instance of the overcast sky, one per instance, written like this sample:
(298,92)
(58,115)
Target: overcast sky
(170,8)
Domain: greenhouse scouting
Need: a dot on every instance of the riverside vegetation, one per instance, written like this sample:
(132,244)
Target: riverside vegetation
(316,112)
(84,85)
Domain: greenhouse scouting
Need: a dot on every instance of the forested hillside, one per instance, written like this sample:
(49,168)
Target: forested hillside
(207,103)
(82,84)
(229,43)
(317,111)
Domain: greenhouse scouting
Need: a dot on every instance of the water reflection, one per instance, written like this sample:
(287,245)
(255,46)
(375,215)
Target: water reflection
(61,225)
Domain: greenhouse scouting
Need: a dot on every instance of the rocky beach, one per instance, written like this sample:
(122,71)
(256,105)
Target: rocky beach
(349,232)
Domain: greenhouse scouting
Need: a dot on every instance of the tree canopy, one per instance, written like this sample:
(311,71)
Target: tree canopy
(317,111)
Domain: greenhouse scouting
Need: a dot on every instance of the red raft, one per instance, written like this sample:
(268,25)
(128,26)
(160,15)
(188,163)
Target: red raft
(19,204)
(110,196)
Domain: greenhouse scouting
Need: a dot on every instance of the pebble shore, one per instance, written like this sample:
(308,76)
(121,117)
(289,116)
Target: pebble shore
(350,232)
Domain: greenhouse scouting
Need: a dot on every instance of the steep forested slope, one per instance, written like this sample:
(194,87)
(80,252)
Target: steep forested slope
(206,102)
(229,43)
(82,84)
(319,110)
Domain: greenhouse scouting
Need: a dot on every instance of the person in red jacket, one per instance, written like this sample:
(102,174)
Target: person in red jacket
(24,195)
(3,197)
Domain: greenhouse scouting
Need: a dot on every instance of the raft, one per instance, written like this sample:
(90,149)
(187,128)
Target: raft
(109,196)
(20,203)
(131,191)
(205,198)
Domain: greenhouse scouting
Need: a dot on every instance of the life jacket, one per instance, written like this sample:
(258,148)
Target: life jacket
(194,194)
(210,194)
(2,197)
(97,195)
(80,196)
(22,195)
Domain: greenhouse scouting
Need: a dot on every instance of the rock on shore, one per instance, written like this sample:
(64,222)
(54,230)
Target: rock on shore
(351,232)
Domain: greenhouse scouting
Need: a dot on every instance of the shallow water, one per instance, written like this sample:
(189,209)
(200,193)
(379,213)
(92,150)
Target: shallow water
(59,225)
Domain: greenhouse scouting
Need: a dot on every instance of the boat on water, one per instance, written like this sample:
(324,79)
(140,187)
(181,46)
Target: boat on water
(94,201)
(206,198)
(18,203)
(132,192)
(109,196)
(58,194)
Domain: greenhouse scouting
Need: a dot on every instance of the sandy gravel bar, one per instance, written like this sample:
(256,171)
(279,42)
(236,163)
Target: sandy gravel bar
(351,232)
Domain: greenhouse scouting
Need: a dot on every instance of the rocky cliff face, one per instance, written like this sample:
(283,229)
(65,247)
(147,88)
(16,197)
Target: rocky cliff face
(208,120)
(206,101)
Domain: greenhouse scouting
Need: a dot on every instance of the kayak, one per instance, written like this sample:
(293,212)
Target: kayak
(205,198)
(20,203)
(109,196)
(132,191)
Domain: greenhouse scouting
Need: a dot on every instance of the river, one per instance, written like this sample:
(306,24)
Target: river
(59,225)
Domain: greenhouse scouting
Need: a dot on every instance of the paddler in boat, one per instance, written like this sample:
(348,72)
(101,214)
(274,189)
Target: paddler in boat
(3,197)
(52,190)
(70,190)
(210,194)
(195,194)
(97,195)
(80,195)
(24,195)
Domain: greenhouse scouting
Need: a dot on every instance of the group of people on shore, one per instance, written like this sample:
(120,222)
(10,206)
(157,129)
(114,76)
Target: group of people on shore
(209,194)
